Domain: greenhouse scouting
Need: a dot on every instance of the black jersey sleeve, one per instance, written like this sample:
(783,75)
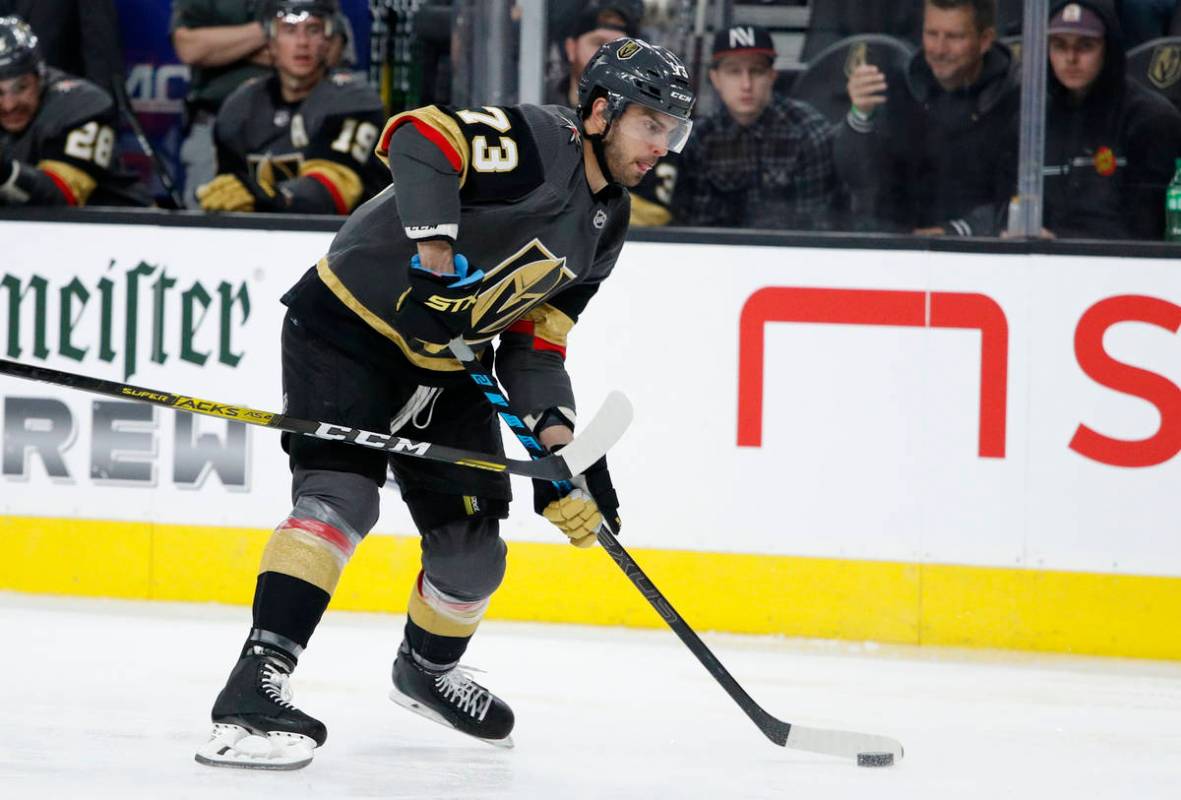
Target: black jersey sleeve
(486,154)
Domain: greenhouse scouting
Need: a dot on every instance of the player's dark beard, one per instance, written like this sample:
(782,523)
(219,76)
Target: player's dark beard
(617,161)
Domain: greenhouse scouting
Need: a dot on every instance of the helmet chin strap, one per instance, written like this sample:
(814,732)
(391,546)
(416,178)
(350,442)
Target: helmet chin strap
(600,150)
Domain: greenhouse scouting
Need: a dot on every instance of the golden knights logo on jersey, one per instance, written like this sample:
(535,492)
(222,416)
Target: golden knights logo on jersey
(1165,68)
(525,279)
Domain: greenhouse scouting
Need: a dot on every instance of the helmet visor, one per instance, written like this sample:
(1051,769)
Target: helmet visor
(653,127)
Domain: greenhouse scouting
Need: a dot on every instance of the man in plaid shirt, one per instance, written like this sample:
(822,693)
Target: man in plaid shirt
(760,161)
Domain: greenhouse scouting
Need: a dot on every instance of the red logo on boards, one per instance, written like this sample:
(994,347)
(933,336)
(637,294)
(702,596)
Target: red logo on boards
(876,307)
(979,312)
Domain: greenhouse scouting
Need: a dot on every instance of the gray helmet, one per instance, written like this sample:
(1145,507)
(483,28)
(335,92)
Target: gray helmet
(327,10)
(632,71)
(19,54)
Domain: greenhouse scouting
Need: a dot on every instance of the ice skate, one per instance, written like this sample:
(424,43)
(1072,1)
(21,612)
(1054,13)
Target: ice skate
(255,725)
(453,699)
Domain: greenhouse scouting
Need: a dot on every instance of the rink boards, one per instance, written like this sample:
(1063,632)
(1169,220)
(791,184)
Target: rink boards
(905,446)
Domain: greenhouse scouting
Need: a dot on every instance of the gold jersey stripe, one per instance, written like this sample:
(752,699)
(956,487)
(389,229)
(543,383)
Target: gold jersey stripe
(301,555)
(79,181)
(433,621)
(438,363)
(347,182)
(550,324)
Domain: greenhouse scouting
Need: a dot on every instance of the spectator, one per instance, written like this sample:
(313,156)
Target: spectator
(1110,143)
(833,20)
(224,43)
(300,140)
(89,48)
(57,132)
(760,161)
(599,22)
(938,154)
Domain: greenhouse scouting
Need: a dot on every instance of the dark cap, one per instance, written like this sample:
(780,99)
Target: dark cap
(743,39)
(1077,19)
(617,16)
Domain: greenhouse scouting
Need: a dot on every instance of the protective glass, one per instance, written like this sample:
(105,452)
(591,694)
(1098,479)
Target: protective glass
(654,127)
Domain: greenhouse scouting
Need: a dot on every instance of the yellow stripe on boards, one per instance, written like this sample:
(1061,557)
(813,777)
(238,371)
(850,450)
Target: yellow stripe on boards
(1099,614)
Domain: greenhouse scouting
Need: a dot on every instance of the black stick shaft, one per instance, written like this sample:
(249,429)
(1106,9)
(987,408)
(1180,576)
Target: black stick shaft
(124,103)
(552,468)
(774,729)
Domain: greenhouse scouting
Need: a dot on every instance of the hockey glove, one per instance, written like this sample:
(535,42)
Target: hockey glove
(577,514)
(239,193)
(437,308)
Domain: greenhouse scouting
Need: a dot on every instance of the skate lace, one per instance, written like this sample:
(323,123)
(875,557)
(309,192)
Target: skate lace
(276,685)
(458,688)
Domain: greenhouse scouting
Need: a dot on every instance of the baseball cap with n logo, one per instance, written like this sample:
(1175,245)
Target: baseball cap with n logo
(743,39)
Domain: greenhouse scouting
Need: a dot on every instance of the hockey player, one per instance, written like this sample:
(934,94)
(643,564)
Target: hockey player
(57,132)
(500,222)
(301,139)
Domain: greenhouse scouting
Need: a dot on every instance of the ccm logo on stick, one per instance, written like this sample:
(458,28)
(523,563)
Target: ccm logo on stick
(876,307)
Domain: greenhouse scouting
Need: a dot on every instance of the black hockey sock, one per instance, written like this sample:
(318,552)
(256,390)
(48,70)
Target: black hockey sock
(432,651)
(286,613)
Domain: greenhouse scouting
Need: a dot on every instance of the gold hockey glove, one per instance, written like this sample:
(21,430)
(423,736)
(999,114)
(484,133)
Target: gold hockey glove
(577,514)
(236,193)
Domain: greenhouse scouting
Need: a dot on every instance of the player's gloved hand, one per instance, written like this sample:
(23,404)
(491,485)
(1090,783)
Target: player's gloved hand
(239,193)
(579,514)
(437,308)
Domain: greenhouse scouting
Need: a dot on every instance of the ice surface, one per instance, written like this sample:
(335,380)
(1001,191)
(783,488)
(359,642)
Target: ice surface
(109,699)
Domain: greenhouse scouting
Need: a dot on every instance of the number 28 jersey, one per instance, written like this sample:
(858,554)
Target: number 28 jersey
(71,142)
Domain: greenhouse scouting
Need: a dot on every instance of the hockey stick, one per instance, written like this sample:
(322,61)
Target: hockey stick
(867,749)
(603,431)
(124,104)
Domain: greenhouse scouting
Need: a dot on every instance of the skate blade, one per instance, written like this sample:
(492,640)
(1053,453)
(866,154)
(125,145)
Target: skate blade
(234,746)
(405,701)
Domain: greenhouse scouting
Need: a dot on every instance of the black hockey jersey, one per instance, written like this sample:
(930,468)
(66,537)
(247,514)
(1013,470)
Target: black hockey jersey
(328,137)
(72,142)
(527,218)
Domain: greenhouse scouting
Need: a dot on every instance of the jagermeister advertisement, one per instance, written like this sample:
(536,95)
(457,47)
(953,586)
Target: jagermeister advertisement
(173,310)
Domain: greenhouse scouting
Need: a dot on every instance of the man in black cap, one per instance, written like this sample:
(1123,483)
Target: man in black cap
(760,161)
(599,22)
(937,153)
(1110,143)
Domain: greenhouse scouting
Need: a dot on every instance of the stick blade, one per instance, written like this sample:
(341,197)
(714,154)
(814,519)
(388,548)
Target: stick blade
(843,744)
(593,442)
